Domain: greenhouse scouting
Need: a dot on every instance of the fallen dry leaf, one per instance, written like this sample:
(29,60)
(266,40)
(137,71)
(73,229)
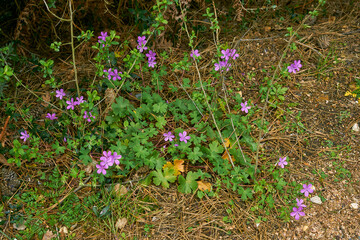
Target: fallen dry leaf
(119,189)
(121,222)
(204,186)
(48,235)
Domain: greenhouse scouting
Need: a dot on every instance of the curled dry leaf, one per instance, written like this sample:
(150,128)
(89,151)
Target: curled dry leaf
(120,190)
(204,186)
(120,223)
(48,235)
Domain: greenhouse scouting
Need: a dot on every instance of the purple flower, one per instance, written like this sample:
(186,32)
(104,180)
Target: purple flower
(60,93)
(151,55)
(65,140)
(300,203)
(51,116)
(109,73)
(244,107)
(176,145)
(115,75)
(141,43)
(102,36)
(226,54)
(107,159)
(183,137)
(222,65)
(79,100)
(297,212)
(151,64)
(88,116)
(194,54)
(233,54)
(24,135)
(71,104)
(168,136)
(101,169)
(307,189)
(297,65)
(116,158)
(282,162)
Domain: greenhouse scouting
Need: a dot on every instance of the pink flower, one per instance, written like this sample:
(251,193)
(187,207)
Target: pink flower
(244,107)
(51,116)
(297,212)
(101,169)
(194,54)
(183,137)
(24,135)
(79,100)
(300,203)
(168,136)
(60,93)
(282,162)
(307,189)
(71,104)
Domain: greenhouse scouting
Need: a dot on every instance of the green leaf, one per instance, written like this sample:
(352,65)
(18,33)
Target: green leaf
(161,122)
(84,157)
(164,178)
(216,147)
(58,149)
(160,107)
(122,107)
(196,154)
(188,184)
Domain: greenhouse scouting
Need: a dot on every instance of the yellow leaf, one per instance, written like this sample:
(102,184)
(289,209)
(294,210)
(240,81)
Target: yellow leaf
(178,166)
(226,156)
(227,142)
(204,186)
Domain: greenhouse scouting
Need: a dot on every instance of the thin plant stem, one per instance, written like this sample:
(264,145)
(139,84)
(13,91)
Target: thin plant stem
(73,48)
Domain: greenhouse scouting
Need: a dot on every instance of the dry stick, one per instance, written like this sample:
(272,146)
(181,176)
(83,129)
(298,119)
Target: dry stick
(4,129)
(72,48)
(271,81)
(207,103)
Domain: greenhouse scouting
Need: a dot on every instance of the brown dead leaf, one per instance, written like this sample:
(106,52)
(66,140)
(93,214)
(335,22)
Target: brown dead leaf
(267,28)
(4,161)
(120,190)
(63,232)
(46,99)
(226,156)
(227,142)
(204,186)
(121,222)
(48,235)
(178,166)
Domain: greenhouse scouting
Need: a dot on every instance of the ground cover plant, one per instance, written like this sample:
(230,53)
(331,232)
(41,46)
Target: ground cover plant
(179,137)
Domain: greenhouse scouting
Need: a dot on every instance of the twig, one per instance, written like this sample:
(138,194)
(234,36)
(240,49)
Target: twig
(4,129)
(73,49)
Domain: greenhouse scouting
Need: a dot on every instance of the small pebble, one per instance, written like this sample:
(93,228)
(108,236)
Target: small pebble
(316,200)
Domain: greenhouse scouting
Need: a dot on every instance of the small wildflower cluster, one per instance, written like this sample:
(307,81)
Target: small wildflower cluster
(307,189)
(71,104)
(102,37)
(113,74)
(195,54)
(244,107)
(151,58)
(107,160)
(170,137)
(24,135)
(88,116)
(226,55)
(141,43)
(295,66)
